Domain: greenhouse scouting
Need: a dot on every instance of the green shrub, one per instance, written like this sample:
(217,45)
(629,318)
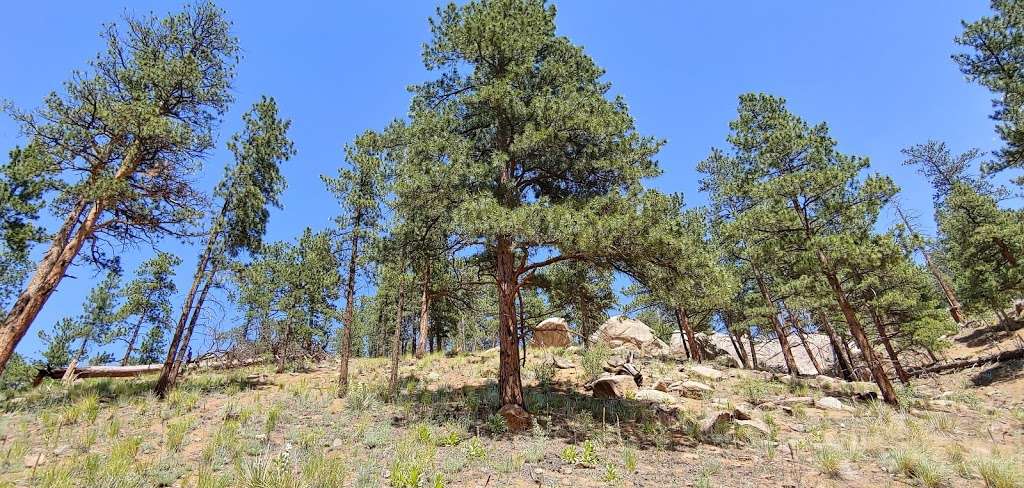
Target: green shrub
(594,358)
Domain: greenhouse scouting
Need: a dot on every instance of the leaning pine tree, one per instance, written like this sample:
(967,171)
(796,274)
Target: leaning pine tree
(125,138)
(552,165)
(809,201)
(250,185)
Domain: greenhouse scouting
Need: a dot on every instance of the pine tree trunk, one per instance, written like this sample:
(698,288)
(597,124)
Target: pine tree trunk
(687,330)
(66,244)
(893,357)
(954,304)
(164,382)
(682,337)
(845,368)
(282,351)
(131,341)
(69,374)
(737,341)
(510,387)
(780,329)
(186,339)
(753,351)
(350,294)
(396,343)
(424,334)
(807,347)
(868,353)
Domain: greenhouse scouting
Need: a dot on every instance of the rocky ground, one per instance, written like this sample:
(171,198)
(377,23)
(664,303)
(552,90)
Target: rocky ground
(685,425)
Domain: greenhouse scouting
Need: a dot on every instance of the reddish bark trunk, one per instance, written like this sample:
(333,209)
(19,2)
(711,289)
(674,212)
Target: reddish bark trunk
(131,341)
(780,329)
(893,356)
(868,353)
(350,293)
(66,244)
(807,347)
(845,368)
(510,385)
(687,330)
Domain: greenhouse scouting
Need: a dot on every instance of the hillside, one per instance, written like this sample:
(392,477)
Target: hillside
(249,427)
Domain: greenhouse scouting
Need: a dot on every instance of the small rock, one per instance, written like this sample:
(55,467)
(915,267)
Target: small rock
(942,405)
(566,470)
(829,403)
(61,449)
(714,420)
(796,400)
(755,424)
(662,384)
(433,376)
(33,460)
(691,389)
(705,372)
(743,412)
(516,418)
(655,396)
(562,363)
(337,443)
(614,386)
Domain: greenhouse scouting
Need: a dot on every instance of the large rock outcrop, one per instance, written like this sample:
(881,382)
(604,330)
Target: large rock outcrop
(624,332)
(552,332)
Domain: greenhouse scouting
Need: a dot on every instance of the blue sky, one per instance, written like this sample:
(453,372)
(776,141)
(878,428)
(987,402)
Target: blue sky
(878,72)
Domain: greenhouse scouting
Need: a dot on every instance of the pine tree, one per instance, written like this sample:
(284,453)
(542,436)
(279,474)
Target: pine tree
(995,60)
(978,239)
(360,189)
(148,300)
(24,182)
(58,343)
(125,139)
(152,346)
(249,186)
(808,200)
(97,325)
(550,164)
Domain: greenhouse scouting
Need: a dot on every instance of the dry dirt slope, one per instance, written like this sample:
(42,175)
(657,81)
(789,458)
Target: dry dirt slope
(251,428)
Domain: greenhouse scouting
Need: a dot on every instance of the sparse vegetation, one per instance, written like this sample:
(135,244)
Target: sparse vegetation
(795,327)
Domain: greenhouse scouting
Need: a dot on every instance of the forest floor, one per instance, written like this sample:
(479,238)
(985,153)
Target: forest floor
(253,428)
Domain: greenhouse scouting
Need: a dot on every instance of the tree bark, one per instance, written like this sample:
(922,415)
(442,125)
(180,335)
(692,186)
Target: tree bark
(69,373)
(803,340)
(510,385)
(164,382)
(282,352)
(955,309)
(396,344)
(350,294)
(424,334)
(687,330)
(66,244)
(868,353)
(753,351)
(131,341)
(845,368)
(186,340)
(737,340)
(893,356)
(780,329)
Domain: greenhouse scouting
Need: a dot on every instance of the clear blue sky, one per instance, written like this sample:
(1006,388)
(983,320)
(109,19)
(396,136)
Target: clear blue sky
(879,72)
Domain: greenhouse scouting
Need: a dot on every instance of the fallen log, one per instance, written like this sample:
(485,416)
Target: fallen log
(99,372)
(132,371)
(968,363)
